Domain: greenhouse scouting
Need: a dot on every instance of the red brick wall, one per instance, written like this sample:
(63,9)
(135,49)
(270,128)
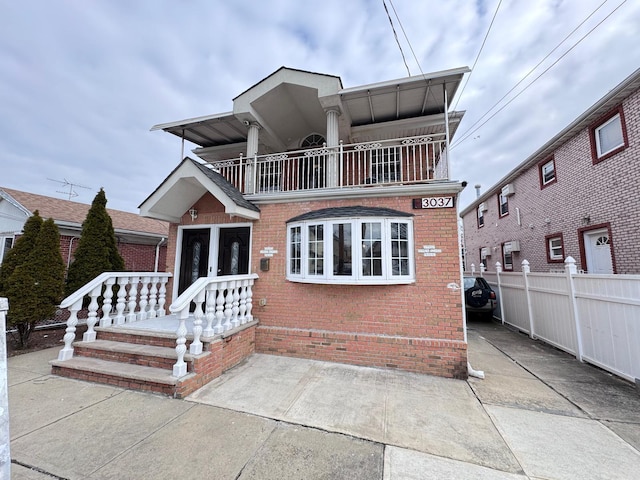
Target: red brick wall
(416,327)
(606,192)
(137,258)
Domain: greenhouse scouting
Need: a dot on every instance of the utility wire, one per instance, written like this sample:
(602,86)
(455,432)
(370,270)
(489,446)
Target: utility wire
(396,36)
(534,68)
(478,56)
(405,36)
(536,79)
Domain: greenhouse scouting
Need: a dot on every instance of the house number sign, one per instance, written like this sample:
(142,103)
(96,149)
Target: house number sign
(433,202)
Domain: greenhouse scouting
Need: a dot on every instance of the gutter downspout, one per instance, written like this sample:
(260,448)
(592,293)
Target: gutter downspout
(162,240)
(69,254)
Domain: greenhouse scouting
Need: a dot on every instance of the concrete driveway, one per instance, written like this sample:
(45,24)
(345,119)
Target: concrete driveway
(537,414)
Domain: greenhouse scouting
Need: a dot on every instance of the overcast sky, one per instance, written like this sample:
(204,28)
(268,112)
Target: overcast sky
(83,81)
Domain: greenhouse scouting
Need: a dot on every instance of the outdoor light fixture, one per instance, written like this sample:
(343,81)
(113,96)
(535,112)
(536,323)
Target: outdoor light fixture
(194,213)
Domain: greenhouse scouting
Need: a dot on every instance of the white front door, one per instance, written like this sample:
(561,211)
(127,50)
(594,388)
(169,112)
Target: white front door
(597,247)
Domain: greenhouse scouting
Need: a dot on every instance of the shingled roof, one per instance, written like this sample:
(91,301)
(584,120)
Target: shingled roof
(72,213)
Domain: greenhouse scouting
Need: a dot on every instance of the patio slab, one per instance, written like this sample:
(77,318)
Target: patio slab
(431,414)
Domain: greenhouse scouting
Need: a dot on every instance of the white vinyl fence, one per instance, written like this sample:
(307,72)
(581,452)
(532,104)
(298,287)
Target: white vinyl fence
(594,317)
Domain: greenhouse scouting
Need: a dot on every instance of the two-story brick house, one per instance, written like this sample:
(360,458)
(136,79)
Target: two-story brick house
(340,200)
(576,196)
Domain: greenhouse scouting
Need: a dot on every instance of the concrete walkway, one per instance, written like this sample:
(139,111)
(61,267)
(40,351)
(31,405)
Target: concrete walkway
(538,414)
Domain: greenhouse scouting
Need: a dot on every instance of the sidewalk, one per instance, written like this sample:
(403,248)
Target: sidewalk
(538,414)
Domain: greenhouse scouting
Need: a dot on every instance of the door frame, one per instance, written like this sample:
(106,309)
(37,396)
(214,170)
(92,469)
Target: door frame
(214,241)
(583,249)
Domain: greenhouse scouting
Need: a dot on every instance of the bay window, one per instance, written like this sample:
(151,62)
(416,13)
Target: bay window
(365,250)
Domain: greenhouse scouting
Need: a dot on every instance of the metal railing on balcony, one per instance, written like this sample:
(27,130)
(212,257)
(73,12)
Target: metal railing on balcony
(386,162)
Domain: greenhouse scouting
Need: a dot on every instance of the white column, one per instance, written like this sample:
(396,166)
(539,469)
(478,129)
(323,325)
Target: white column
(333,141)
(252,151)
(5,454)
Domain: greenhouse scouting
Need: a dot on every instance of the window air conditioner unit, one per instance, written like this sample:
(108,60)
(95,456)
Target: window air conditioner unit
(482,207)
(508,190)
(512,246)
(485,252)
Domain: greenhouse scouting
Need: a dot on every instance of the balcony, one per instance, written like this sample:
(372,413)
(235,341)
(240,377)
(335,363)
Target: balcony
(403,161)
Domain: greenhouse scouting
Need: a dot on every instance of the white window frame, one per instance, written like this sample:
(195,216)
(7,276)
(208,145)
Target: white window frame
(356,277)
(503,201)
(560,247)
(599,128)
(543,173)
(480,217)
(507,254)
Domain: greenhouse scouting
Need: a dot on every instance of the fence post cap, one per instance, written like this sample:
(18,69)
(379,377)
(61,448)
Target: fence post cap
(498,267)
(570,260)
(4,304)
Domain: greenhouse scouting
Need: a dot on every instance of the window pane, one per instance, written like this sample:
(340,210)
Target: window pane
(316,249)
(296,251)
(399,249)
(371,249)
(342,249)
(548,172)
(609,136)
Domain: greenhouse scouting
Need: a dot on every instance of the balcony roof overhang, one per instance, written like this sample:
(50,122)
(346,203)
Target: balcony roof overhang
(290,102)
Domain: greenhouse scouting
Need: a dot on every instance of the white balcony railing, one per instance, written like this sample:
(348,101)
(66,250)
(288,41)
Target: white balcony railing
(387,162)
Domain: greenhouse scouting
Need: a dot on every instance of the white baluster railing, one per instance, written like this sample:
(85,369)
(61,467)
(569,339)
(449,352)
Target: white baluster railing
(100,293)
(227,301)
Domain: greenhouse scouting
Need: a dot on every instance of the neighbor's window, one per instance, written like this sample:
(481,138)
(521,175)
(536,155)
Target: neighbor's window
(368,250)
(480,217)
(503,202)
(507,257)
(608,136)
(547,170)
(555,248)
(5,246)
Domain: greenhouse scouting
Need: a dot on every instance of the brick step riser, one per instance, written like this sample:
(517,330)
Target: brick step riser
(114,381)
(132,358)
(138,339)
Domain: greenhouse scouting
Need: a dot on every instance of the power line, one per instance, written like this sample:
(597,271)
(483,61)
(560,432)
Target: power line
(396,36)
(478,56)
(467,135)
(406,37)
(534,68)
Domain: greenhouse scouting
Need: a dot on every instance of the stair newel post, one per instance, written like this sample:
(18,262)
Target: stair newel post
(70,333)
(219,328)
(162,296)
(120,301)
(243,302)
(180,367)
(196,345)
(249,301)
(228,305)
(210,310)
(92,316)
(133,299)
(144,298)
(153,297)
(235,309)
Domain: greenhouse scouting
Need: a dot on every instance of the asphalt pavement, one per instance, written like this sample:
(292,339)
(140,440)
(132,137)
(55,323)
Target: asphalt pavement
(537,414)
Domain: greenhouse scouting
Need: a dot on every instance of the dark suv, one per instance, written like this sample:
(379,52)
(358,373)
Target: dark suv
(479,297)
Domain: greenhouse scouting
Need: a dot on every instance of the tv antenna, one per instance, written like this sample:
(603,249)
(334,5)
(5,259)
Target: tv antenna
(70,186)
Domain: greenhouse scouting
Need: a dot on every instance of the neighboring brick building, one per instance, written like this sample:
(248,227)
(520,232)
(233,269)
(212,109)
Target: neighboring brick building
(576,196)
(352,227)
(141,241)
